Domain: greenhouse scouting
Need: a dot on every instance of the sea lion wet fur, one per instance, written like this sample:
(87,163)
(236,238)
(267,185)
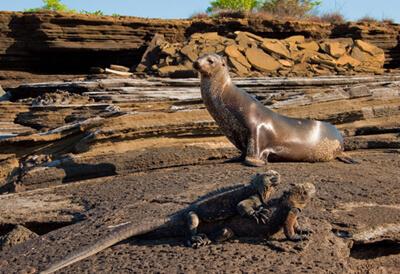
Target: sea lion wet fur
(258,132)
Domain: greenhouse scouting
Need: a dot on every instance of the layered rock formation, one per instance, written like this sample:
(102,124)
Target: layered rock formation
(74,43)
(385,36)
(253,55)
(117,126)
(103,152)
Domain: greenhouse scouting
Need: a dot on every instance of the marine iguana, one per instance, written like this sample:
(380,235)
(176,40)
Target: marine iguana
(282,213)
(215,207)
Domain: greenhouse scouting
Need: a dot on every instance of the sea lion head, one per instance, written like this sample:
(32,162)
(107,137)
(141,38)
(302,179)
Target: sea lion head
(265,183)
(300,195)
(210,64)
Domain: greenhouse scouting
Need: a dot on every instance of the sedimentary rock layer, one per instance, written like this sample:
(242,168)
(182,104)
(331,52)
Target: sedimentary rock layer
(73,43)
(115,126)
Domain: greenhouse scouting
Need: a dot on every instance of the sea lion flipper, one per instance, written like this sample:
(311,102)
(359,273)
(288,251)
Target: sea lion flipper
(252,152)
(236,159)
(347,159)
(252,161)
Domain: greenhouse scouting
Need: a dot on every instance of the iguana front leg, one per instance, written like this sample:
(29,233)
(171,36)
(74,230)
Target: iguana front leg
(252,207)
(291,224)
(223,235)
(300,230)
(195,240)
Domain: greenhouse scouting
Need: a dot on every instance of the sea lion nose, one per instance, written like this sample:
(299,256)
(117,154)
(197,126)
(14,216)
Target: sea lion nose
(196,65)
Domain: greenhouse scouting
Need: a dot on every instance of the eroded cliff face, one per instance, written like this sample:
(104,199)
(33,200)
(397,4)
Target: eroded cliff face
(66,43)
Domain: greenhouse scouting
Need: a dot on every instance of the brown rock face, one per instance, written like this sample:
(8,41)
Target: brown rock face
(261,61)
(73,43)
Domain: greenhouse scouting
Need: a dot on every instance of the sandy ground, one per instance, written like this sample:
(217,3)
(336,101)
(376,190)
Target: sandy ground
(350,199)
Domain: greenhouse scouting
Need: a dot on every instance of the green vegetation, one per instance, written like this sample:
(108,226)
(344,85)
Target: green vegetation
(52,5)
(57,5)
(236,5)
(97,12)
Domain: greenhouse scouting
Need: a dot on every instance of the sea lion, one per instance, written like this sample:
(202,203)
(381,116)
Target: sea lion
(258,132)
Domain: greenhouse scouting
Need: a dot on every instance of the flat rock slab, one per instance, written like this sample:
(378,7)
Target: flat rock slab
(261,60)
(37,207)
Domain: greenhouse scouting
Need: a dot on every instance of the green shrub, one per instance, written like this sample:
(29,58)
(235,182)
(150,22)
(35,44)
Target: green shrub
(236,5)
(97,12)
(56,5)
(52,5)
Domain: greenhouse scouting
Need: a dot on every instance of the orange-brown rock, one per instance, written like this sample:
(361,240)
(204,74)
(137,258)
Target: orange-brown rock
(250,35)
(298,39)
(285,63)
(378,53)
(334,49)
(261,60)
(347,60)
(274,46)
(233,52)
(238,67)
(190,52)
(311,45)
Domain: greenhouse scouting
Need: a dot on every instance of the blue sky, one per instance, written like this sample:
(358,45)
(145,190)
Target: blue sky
(351,9)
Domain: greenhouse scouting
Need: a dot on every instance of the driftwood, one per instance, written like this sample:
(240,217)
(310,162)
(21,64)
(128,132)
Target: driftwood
(119,73)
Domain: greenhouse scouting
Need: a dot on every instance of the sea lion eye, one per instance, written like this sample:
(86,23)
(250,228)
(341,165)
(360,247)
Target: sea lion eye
(210,61)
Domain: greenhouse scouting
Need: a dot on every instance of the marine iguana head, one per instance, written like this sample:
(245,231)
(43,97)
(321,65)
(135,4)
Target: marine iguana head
(210,64)
(265,183)
(300,195)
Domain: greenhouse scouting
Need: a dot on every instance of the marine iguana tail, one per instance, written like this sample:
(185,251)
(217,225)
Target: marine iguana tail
(121,233)
(213,207)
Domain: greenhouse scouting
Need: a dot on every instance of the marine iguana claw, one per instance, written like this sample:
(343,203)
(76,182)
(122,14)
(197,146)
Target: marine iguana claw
(306,231)
(198,240)
(298,238)
(261,215)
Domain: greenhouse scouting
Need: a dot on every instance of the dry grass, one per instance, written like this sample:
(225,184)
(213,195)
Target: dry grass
(231,14)
(388,21)
(199,15)
(367,19)
(333,18)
